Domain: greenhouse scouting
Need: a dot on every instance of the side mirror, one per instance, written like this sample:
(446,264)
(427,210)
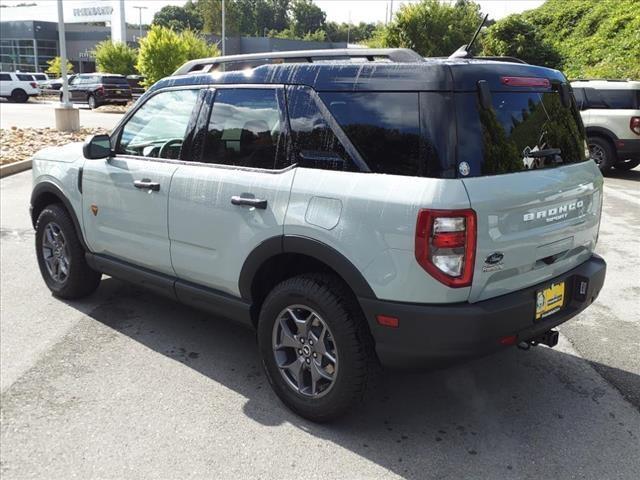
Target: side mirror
(96,147)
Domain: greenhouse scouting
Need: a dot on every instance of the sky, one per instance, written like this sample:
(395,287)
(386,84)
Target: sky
(337,10)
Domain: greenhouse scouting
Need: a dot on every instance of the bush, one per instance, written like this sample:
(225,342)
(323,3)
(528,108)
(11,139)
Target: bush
(515,37)
(115,58)
(163,50)
(55,65)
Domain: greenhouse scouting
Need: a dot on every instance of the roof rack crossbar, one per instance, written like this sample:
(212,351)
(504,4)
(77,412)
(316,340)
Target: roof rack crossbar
(370,54)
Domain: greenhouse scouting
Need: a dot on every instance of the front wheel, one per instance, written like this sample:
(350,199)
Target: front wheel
(61,256)
(315,346)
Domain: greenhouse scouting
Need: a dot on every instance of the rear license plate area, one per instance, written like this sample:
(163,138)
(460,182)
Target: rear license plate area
(550,300)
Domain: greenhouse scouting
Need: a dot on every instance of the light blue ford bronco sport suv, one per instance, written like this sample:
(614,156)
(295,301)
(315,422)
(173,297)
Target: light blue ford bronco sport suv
(354,207)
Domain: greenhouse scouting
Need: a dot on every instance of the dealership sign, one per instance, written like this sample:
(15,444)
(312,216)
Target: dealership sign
(92,14)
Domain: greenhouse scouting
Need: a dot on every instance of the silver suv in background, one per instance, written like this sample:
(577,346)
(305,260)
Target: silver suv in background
(610,111)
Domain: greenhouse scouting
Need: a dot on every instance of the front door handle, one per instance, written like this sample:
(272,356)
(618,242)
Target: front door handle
(251,202)
(146,184)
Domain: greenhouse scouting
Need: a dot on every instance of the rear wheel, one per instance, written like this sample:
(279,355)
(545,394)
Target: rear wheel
(61,256)
(91,100)
(19,96)
(626,166)
(315,346)
(601,152)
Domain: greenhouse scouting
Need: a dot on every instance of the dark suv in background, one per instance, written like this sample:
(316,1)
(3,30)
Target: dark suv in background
(98,89)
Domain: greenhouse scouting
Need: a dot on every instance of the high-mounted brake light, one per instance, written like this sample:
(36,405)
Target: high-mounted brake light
(634,125)
(445,245)
(525,82)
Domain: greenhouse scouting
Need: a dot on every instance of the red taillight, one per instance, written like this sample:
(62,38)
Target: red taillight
(33,84)
(387,321)
(525,82)
(634,125)
(445,245)
(100,90)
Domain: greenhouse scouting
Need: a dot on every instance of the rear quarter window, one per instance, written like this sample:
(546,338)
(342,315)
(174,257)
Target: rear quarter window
(388,131)
(25,78)
(5,77)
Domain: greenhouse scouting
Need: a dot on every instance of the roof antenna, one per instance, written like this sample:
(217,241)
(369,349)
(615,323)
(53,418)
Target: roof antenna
(465,50)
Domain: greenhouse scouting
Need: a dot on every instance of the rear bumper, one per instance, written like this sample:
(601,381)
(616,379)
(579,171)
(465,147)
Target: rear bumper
(436,335)
(628,149)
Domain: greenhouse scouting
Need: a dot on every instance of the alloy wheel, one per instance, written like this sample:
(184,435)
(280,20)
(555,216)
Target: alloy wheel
(597,154)
(55,252)
(305,351)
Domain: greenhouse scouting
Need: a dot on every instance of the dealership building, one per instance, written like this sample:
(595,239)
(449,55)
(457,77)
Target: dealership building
(29,37)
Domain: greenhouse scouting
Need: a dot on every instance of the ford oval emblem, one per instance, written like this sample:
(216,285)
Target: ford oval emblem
(494,258)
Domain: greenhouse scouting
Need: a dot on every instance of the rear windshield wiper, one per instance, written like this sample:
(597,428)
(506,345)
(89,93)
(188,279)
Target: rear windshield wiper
(546,152)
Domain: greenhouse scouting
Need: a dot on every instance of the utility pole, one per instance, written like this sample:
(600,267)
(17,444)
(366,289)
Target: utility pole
(67,118)
(224,43)
(63,57)
(140,21)
(349,29)
(391,11)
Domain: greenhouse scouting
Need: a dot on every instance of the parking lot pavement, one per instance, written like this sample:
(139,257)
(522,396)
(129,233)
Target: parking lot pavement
(126,384)
(39,114)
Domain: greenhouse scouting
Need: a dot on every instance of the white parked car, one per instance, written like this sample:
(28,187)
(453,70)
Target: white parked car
(18,87)
(610,112)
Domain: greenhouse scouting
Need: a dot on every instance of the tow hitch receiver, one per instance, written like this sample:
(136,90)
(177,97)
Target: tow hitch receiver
(548,338)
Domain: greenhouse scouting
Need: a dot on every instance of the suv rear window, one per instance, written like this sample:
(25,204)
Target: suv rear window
(523,131)
(25,78)
(115,81)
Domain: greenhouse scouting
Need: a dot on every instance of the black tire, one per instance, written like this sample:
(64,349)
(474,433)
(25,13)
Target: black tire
(19,96)
(92,102)
(603,150)
(626,166)
(328,296)
(81,280)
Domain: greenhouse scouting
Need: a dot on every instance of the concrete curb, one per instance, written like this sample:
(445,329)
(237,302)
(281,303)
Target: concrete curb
(15,167)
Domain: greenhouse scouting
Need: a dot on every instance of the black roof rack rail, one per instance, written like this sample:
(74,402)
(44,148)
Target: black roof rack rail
(204,65)
(502,59)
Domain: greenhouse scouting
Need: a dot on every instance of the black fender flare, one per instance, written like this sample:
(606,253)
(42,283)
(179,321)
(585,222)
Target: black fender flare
(602,132)
(304,246)
(48,188)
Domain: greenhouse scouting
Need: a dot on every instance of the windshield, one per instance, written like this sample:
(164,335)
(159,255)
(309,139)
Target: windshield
(523,131)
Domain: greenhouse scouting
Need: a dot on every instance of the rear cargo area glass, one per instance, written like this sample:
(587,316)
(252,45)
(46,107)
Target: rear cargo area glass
(522,131)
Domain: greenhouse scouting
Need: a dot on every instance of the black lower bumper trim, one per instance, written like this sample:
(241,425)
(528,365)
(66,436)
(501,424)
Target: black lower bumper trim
(436,335)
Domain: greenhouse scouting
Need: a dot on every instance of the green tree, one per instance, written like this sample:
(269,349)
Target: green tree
(178,18)
(515,37)
(433,28)
(115,57)
(211,11)
(163,50)
(343,32)
(306,17)
(595,39)
(55,65)
(195,46)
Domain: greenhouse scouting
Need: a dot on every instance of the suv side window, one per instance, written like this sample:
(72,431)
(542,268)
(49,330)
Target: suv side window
(158,127)
(383,126)
(246,129)
(581,101)
(5,77)
(25,78)
(315,143)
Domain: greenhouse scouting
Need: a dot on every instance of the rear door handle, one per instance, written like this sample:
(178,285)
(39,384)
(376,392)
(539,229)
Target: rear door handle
(146,184)
(251,202)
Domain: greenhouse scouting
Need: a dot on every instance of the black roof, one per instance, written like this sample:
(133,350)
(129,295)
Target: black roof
(426,75)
